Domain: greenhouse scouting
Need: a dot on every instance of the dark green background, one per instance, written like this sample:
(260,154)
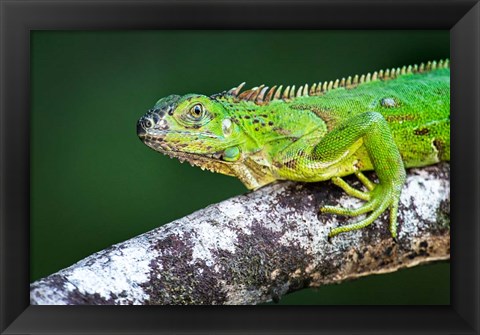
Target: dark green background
(93,183)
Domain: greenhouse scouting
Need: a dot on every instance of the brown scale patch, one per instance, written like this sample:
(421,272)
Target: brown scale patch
(282,131)
(327,117)
(359,165)
(278,164)
(440,146)
(400,117)
(324,113)
(421,131)
(291,164)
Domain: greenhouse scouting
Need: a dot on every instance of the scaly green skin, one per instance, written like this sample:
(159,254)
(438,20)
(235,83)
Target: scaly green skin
(383,122)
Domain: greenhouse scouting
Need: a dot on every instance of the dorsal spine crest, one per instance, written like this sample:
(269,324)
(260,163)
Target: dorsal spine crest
(263,94)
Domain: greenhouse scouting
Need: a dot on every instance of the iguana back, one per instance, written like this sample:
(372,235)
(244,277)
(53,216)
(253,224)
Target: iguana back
(416,106)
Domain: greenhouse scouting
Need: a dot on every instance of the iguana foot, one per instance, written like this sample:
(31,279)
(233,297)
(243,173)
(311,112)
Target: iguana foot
(378,198)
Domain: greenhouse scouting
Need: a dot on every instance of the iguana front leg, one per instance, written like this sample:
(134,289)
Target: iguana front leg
(372,129)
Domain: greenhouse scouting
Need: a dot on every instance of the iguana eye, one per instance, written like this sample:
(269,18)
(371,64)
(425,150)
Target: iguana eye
(194,115)
(148,123)
(196,111)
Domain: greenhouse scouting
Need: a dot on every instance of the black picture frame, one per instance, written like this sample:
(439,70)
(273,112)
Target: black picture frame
(19,17)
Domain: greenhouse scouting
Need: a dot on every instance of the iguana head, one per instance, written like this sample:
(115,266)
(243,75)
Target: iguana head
(198,129)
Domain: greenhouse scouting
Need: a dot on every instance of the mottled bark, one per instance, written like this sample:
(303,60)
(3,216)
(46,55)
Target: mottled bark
(256,247)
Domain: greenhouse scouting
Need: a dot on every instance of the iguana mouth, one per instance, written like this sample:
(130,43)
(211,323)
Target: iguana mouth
(205,162)
(142,133)
(158,144)
(208,161)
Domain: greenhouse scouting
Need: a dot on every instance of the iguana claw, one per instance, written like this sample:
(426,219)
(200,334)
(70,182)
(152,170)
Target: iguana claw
(379,198)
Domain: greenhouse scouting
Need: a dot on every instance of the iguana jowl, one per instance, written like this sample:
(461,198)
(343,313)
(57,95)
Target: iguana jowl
(384,121)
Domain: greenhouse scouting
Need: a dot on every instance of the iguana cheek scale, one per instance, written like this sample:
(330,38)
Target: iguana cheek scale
(384,121)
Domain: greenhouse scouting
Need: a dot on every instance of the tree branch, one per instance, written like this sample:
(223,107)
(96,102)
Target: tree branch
(256,247)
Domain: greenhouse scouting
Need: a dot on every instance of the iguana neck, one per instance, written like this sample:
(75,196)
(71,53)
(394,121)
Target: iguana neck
(265,131)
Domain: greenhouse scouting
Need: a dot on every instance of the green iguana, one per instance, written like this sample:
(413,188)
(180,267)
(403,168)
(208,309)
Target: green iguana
(384,121)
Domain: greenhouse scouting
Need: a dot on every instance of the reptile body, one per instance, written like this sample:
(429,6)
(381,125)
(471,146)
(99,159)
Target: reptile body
(385,121)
